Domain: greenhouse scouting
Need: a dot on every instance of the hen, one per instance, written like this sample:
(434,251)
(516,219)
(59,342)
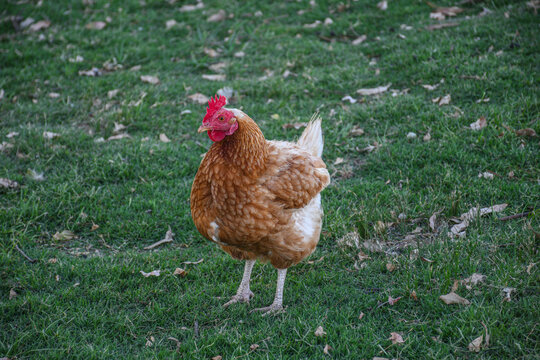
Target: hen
(259,199)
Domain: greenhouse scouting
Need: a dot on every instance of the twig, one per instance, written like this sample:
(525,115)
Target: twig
(26,256)
(516,216)
(156,244)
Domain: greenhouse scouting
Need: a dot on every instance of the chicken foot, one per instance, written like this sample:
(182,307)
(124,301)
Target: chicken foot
(243,294)
(277,305)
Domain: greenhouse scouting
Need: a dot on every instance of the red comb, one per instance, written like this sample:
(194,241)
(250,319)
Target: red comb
(214,105)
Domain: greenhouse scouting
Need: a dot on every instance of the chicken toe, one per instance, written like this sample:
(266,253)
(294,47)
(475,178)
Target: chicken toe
(243,294)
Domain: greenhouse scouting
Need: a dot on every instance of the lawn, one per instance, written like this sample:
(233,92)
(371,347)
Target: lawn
(103,166)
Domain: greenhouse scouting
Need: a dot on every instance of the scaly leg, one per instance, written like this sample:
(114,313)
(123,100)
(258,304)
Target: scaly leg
(277,305)
(243,294)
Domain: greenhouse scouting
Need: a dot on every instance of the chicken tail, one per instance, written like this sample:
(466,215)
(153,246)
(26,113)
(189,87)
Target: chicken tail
(311,139)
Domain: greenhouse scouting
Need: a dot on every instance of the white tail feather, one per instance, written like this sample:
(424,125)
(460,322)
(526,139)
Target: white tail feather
(311,139)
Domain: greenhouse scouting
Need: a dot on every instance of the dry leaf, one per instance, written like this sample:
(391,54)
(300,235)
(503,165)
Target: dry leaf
(296,126)
(312,25)
(186,8)
(373,91)
(214,77)
(9,184)
(12,134)
(507,291)
(53,261)
(170,23)
(455,286)
(349,98)
(193,262)
(441,26)
(361,316)
(479,124)
(432,220)
(164,138)
(35,175)
(430,87)
(327,349)
(40,25)
(218,357)
(396,338)
(328,21)
(219,16)
(413,295)
(119,136)
(390,267)
(383,5)
(12,294)
(180,272)
(486,175)
(427,137)
(150,342)
(118,128)
(54,95)
(151,273)
(94,227)
(218,67)
(339,161)
(444,100)
(93,72)
(64,235)
(96,25)
(474,279)
(529,267)
(359,40)
(154,80)
(453,298)
(356,131)
(393,301)
(527,132)
(199,98)
(476,344)
(411,135)
(320,331)
(112,93)
(50,135)
(437,16)
(239,54)
(370,148)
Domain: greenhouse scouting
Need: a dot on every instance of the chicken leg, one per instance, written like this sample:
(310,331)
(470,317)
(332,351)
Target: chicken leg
(277,305)
(243,294)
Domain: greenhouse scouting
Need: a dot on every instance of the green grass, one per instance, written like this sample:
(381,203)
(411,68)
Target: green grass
(93,302)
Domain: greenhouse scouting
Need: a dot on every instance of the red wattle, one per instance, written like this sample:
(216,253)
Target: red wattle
(216,135)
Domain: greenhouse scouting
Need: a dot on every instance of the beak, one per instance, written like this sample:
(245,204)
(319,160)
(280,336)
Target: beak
(204,128)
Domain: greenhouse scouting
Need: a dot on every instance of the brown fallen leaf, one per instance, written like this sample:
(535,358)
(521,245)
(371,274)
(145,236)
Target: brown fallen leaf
(356,131)
(180,272)
(441,26)
(151,273)
(476,344)
(193,262)
(327,349)
(93,72)
(414,296)
(507,291)
(64,235)
(96,25)
(390,267)
(373,91)
(40,25)
(12,294)
(150,341)
(529,267)
(52,261)
(119,136)
(170,23)
(214,77)
(94,227)
(396,338)
(339,161)
(370,148)
(164,138)
(442,100)
(453,298)
(154,80)
(479,124)
(393,301)
(50,135)
(219,16)
(218,67)
(455,286)
(430,87)
(319,331)
(199,98)
(253,347)
(296,126)
(527,132)
(383,5)
(432,220)
(361,316)
(9,184)
(486,175)
(472,280)
(187,8)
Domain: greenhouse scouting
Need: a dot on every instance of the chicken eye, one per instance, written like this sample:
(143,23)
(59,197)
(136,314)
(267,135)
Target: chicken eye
(221,118)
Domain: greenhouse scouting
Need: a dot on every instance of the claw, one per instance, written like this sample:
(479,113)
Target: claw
(242,298)
(273,309)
